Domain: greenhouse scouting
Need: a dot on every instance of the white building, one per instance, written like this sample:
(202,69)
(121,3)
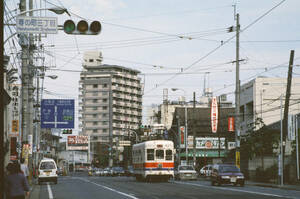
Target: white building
(261,98)
(110,99)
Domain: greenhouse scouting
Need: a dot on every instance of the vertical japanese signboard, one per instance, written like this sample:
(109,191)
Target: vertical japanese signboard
(231,124)
(182,137)
(214,115)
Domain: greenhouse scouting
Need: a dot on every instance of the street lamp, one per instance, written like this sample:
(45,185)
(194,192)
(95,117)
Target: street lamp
(186,126)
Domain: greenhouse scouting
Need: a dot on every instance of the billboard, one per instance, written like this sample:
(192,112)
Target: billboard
(77,142)
(210,143)
(214,115)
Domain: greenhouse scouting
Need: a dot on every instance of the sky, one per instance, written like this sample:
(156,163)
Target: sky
(174,43)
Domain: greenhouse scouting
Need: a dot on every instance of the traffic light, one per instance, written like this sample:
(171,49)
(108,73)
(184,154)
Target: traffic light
(82,27)
(67,131)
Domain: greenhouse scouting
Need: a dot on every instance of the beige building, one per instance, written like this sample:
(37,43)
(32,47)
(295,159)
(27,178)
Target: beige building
(110,100)
(261,98)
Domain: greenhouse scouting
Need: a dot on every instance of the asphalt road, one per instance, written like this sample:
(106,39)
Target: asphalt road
(82,186)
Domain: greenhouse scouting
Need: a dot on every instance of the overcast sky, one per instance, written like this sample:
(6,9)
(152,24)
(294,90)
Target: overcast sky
(176,36)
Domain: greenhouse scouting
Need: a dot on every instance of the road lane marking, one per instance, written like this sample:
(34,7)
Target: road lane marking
(49,191)
(111,189)
(237,190)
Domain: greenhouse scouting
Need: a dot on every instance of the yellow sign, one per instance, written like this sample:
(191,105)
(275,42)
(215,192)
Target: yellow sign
(15,126)
(237,159)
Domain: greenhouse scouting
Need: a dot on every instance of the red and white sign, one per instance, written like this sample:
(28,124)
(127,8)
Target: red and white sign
(214,115)
(182,137)
(77,142)
(231,124)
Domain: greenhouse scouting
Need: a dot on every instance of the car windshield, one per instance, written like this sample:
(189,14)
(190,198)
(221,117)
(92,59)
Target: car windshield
(186,168)
(47,165)
(225,169)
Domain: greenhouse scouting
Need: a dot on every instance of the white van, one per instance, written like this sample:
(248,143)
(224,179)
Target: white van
(47,171)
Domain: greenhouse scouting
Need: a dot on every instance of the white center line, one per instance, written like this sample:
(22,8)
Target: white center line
(237,190)
(49,191)
(111,189)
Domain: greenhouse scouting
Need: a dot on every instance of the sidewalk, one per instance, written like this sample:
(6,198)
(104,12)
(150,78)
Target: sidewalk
(261,184)
(285,186)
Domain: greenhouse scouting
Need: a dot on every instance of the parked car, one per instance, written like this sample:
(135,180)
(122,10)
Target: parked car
(185,172)
(107,172)
(60,171)
(206,170)
(98,172)
(226,174)
(118,171)
(129,171)
(47,171)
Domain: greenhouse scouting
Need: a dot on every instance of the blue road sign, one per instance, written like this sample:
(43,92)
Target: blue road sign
(57,113)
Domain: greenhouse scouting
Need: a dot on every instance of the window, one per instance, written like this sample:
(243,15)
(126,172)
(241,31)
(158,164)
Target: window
(95,100)
(104,107)
(104,130)
(94,115)
(47,165)
(104,115)
(105,93)
(104,100)
(169,155)
(150,154)
(159,154)
(104,123)
(94,130)
(95,85)
(95,123)
(95,108)
(95,94)
(91,60)
(104,85)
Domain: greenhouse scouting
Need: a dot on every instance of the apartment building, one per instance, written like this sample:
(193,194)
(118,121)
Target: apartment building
(110,100)
(262,98)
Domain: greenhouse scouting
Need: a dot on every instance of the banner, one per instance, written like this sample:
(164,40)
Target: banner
(182,136)
(214,115)
(231,124)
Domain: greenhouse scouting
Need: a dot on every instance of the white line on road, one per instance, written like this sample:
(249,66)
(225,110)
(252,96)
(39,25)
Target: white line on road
(116,191)
(49,191)
(237,190)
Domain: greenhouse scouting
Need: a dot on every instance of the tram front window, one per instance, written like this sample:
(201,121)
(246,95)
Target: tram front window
(169,154)
(159,154)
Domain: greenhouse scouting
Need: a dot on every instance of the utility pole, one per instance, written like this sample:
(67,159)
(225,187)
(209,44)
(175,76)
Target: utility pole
(178,139)
(2,102)
(286,104)
(194,129)
(237,94)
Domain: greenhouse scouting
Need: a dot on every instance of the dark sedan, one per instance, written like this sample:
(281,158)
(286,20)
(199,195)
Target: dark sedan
(226,174)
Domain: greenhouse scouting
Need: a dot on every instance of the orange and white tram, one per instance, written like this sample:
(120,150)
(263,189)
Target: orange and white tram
(153,160)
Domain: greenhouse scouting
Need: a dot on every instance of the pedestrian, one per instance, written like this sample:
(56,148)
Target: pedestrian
(24,168)
(16,184)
